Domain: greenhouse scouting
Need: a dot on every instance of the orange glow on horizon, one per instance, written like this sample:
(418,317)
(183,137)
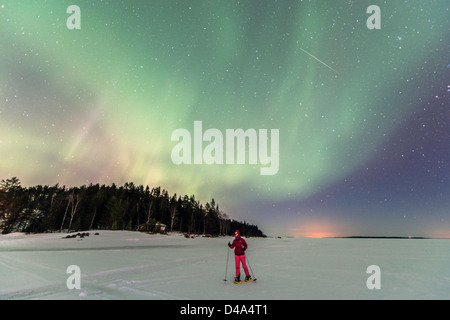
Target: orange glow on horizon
(315,231)
(319,227)
(319,235)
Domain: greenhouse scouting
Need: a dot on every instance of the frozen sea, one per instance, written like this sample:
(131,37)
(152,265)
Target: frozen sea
(131,265)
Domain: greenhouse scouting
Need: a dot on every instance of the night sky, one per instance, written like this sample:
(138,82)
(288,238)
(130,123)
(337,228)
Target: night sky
(363,114)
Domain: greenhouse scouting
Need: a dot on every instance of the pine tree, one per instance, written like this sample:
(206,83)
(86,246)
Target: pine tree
(115,209)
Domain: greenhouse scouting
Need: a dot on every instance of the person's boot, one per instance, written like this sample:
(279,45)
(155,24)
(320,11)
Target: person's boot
(237,279)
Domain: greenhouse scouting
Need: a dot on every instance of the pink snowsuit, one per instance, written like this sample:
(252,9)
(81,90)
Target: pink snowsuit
(239,246)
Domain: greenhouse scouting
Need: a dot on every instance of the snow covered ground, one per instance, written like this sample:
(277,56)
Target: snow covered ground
(132,265)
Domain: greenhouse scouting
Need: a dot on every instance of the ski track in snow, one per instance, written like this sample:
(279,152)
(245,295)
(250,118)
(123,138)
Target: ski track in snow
(104,284)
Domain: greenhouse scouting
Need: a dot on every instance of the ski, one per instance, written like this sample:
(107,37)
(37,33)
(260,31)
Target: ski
(240,281)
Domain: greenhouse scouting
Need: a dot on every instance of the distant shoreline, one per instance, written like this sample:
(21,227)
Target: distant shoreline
(379,237)
(367,237)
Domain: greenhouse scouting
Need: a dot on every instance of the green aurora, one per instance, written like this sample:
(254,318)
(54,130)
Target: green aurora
(99,104)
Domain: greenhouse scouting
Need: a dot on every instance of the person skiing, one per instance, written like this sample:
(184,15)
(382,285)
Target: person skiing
(239,245)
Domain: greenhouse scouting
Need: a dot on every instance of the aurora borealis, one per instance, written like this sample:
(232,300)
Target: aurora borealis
(363,115)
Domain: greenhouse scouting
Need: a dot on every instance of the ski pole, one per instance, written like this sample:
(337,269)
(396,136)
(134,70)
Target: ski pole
(248,261)
(226,267)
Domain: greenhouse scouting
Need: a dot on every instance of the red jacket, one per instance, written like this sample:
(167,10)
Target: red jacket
(239,245)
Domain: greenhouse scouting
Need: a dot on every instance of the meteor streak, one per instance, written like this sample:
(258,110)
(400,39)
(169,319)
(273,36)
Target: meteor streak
(319,60)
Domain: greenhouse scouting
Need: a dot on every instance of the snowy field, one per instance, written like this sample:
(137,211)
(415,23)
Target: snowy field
(132,265)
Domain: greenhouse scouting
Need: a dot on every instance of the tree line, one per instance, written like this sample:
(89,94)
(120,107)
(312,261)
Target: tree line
(40,209)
